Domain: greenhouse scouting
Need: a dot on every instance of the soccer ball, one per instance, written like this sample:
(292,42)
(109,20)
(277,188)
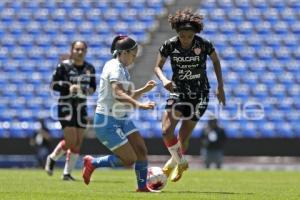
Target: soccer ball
(156,179)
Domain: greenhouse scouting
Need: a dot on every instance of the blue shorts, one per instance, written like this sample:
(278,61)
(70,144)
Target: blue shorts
(113,132)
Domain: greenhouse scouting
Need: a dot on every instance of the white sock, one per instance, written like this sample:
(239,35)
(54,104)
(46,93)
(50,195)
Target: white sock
(58,152)
(71,160)
(176,153)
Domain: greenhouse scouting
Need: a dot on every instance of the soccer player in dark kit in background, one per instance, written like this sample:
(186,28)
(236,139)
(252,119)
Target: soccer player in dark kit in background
(189,88)
(75,79)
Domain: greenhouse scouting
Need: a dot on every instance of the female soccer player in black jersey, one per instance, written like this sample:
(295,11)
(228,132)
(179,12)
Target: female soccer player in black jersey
(74,78)
(189,87)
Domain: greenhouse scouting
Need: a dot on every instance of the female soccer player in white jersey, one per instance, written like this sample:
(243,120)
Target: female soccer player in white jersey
(113,127)
(189,87)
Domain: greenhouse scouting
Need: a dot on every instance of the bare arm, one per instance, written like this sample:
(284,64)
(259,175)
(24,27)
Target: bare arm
(217,67)
(139,92)
(122,96)
(160,61)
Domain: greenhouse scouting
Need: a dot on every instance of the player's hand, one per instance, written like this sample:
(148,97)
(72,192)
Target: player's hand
(221,95)
(147,106)
(149,85)
(74,89)
(168,85)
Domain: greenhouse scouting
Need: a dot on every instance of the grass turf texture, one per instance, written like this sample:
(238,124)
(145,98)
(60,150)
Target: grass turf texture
(33,184)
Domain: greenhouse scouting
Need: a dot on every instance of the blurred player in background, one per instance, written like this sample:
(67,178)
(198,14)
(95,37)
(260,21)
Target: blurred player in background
(212,139)
(113,127)
(74,78)
(189,88)
(41,141)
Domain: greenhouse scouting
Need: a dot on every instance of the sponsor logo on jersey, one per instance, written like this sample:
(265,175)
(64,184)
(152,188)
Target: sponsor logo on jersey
(175,51)
(189,76)
(197,51)
(186,59)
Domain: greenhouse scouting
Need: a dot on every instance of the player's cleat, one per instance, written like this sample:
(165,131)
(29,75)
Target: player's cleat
(145,189)
(178,171)
(49,166)
(68,177)
(88,169)
(168,168)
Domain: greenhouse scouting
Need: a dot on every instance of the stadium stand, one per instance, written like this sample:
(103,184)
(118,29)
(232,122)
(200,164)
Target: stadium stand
(35,33)
(257,40)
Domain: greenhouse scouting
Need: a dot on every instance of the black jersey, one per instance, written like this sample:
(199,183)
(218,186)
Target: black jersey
(188,65)
(67,73)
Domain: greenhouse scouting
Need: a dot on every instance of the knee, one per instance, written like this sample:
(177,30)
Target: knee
(142,152)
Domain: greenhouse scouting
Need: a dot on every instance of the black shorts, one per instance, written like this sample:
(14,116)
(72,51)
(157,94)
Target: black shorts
(72,115)
(190,108)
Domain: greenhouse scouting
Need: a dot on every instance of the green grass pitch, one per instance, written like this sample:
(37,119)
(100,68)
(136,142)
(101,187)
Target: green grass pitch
(31,184)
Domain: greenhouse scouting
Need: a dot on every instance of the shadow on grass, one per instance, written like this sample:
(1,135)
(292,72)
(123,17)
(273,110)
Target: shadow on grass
(206,192)
(107,181)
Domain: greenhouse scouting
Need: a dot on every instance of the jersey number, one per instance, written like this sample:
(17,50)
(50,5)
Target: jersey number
(120,133)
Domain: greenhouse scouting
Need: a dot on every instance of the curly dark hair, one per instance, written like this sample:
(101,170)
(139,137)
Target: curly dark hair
(186,19)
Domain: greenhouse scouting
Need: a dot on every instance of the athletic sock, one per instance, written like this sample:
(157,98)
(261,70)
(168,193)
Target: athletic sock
(141,170)
(59,151)
(70,163)
(107,161)
(174,149)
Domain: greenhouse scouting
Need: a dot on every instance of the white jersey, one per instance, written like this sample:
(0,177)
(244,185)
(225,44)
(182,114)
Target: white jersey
(107,104)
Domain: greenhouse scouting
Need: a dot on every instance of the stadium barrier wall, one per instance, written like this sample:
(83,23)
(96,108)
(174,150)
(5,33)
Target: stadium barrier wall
(233,147)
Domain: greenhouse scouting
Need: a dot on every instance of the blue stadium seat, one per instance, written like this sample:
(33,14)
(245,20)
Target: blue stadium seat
(271,15)
(265,53)
(296,53)
(267,129)
(7,15)
(260,90)
(247,53)
(281,27)
(288,15)
(59,15)
(227,28)
(217,16)
(285,130)
(24,16)
(295,28)
(41,15)
(277,4)
(253,15)
(76,15)
(8,40)
(249,129)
